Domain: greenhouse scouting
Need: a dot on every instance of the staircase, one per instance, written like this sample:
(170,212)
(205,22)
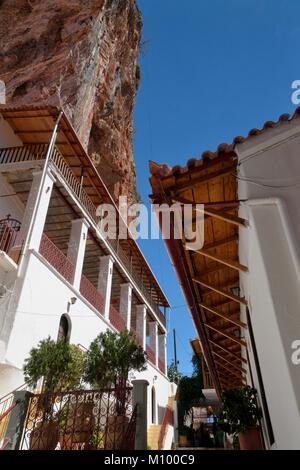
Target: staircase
(154,434)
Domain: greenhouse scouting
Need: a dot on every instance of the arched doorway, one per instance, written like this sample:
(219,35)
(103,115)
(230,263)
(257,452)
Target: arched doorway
(64,329)
(153,406)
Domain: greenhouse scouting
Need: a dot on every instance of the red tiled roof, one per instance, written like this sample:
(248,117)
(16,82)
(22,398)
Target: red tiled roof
(164,170)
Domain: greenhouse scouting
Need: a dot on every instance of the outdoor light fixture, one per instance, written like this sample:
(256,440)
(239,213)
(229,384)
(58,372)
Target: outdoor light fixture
(73,300)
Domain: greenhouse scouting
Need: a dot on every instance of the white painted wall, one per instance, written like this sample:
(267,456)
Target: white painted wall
(43,298)
(270,249)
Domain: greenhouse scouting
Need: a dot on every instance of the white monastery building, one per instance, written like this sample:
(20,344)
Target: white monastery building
(58,275)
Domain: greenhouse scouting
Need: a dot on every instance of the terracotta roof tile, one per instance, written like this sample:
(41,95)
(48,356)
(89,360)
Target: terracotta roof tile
(164,170)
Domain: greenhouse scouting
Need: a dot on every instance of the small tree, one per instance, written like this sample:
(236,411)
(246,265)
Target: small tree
(59,363)
(239,410)
(173,374)
(110,358)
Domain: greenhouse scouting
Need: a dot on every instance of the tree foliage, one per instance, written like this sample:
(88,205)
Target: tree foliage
(173,374)
(190,391)
(239,410)
(59,363)
(110,358)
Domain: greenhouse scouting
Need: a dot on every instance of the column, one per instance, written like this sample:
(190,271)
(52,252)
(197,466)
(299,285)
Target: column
(125,303)
(105,282)
(153,331)
(140,404)
(141,314)
(16,420)
(162,343)
(33,223)
(76,248)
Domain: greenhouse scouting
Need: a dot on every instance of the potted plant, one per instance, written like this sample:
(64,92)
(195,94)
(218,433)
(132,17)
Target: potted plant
(109,360)
(240,416)
(60,365)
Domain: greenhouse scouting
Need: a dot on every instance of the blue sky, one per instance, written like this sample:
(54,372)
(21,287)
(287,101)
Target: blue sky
(211,70)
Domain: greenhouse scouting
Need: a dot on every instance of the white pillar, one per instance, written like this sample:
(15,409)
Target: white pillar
(141,315)
(105,282)
(76,248)
(153,330)
(162,343)
(37,226)
(125,303)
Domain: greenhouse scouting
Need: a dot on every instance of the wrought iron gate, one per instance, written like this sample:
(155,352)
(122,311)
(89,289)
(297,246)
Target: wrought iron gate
(80,420)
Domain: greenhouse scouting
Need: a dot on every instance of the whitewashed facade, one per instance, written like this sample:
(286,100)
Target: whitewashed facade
(40,283)
(269,182)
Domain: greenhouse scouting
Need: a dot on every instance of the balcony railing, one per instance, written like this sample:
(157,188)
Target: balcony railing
(150,354)
(37,153)
(91,294)
(116,319)
(161,366)
(9,229)
(137,337)
(56,258)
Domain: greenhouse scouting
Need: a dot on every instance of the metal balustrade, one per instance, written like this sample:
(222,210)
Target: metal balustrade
(150,354)
(38,152)
(9,229)
(161,366)
(56,258)
(91,294)
(116,319)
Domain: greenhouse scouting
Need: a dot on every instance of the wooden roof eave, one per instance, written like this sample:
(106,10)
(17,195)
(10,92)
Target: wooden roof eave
(48,114)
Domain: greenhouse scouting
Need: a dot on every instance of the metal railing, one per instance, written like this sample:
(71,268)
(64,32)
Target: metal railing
(80,420)
(116,319)
(161,366)
(56,258)
(91,294)
(9,229)
(151,354)
(38,152)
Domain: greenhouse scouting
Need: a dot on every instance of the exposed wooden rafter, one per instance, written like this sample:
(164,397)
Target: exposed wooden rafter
(222,315)
(228,262)
(220,291)
(227,335)
(228,351)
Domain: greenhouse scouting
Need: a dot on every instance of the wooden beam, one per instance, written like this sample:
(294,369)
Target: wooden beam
(232,364)
(227,335)
(228,262)
(222,315)
(221,215)
(233,372)
(223,241)
(220,291)
(236,356)
(179,187)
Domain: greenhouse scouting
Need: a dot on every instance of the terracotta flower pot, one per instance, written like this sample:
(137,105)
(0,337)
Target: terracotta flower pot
(250,439)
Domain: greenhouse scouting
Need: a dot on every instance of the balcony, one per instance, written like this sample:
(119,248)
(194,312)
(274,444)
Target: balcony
(56,258)
(150,354)
(31,155)
(9,229)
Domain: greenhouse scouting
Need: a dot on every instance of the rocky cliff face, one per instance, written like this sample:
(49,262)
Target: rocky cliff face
(80,55)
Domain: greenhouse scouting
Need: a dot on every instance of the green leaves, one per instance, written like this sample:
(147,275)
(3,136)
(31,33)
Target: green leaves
(240,411)
(60,363)
(111,357)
